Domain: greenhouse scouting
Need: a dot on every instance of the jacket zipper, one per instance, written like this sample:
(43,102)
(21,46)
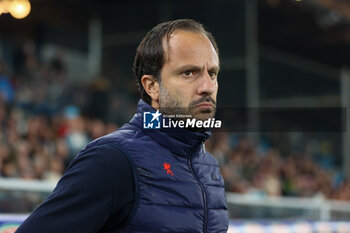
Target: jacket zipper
(203,191)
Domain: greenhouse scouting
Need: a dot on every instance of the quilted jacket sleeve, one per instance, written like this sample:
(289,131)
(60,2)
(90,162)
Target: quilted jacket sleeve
(96,194)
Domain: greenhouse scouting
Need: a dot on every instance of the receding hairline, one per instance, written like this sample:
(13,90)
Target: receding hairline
(168,36)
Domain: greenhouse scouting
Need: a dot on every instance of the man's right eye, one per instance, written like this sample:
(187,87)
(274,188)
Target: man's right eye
(188,73)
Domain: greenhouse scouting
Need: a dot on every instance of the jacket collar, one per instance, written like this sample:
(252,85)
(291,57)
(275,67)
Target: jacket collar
(178,140)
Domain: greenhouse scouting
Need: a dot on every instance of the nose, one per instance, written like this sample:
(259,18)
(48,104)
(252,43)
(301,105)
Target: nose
(207,85)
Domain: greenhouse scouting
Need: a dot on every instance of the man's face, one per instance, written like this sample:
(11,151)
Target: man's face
(189,76)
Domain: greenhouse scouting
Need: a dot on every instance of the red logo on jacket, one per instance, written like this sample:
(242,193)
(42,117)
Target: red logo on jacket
(167,167)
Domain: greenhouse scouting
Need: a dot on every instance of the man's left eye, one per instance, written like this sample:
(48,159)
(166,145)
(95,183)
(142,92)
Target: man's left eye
(212,74)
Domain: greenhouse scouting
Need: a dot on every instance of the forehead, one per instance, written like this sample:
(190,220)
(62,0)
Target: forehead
(188,46)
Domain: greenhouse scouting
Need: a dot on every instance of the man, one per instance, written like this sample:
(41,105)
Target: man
(149,180)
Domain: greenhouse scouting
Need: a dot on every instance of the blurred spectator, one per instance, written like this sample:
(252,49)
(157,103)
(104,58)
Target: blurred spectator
(55,171)
(75,135)
(6,90)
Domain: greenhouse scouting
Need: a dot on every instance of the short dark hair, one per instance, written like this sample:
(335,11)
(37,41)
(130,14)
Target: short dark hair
(150,55)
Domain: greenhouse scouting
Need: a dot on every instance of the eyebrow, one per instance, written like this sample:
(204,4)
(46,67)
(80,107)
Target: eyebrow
(195,68)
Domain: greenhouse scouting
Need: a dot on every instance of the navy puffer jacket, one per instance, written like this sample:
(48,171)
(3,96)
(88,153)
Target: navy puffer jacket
(179,187)
(137,180)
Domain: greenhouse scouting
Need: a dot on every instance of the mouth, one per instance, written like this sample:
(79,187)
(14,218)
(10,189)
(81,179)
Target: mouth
(204,105)
(203,110)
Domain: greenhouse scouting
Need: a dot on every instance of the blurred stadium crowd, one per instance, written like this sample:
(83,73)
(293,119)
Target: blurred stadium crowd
(263,170)
(45,120)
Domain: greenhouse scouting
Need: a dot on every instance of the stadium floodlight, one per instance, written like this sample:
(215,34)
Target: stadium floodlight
(19,9)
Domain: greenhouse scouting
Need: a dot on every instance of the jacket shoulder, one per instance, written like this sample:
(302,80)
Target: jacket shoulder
(127,132)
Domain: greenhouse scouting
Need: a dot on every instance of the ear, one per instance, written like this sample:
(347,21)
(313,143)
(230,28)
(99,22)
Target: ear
(151,86)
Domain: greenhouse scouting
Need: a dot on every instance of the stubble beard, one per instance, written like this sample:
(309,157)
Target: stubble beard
(170,105)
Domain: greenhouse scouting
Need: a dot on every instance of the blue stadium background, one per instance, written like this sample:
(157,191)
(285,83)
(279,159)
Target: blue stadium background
(66,79)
